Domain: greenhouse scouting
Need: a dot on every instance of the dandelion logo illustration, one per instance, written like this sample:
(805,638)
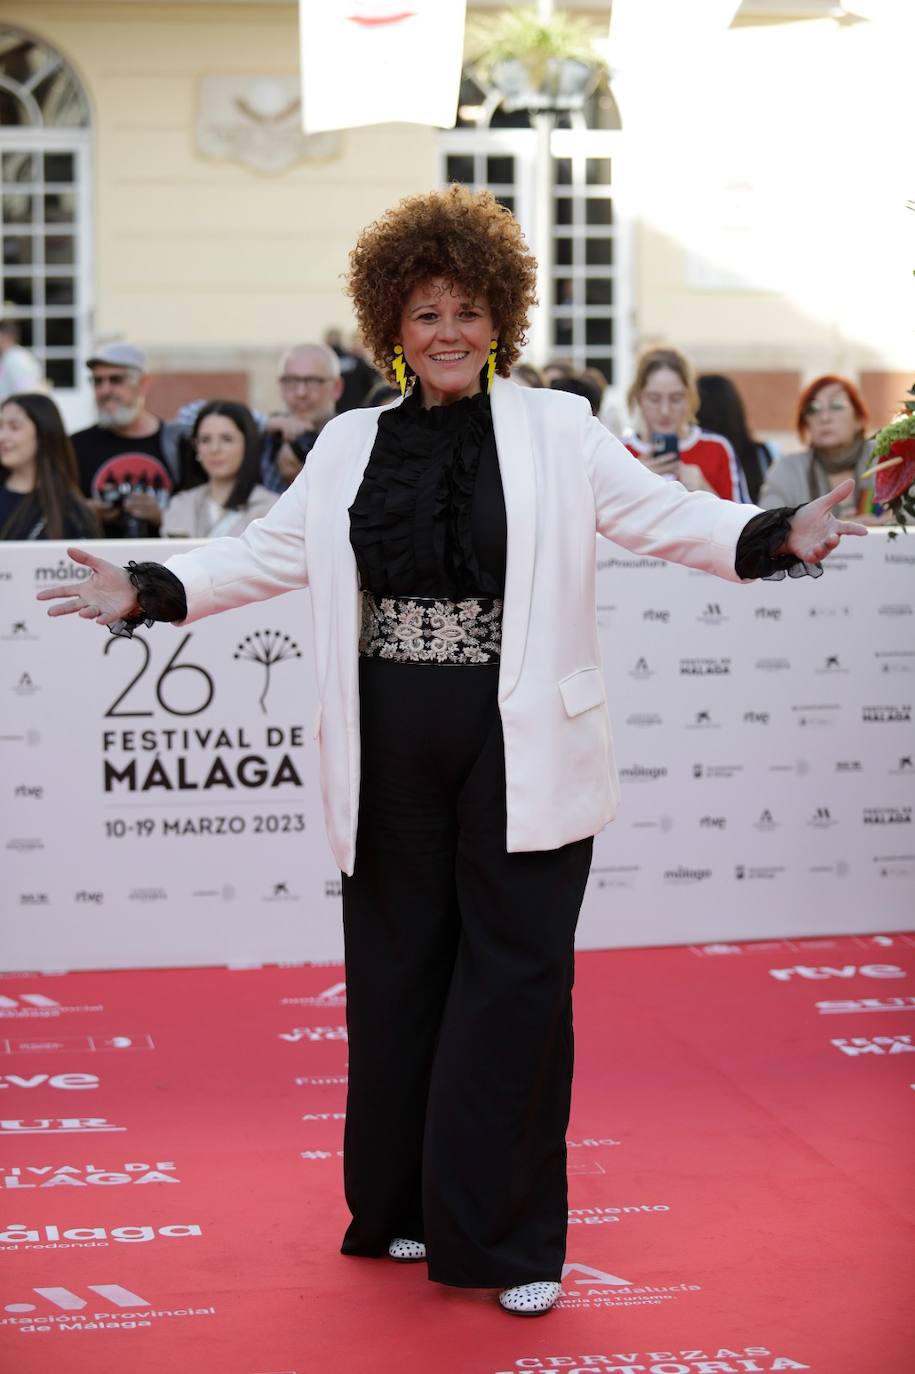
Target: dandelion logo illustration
(267,647)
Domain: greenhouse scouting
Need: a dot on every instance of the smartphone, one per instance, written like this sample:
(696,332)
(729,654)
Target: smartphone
(665,449)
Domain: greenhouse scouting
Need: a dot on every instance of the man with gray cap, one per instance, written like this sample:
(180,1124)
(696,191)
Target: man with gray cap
(129,461)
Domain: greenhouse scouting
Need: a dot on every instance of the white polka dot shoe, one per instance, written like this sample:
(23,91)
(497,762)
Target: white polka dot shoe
(530,1299)
(407,1251)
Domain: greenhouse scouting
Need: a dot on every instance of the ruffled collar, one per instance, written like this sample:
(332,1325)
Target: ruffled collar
(451,417)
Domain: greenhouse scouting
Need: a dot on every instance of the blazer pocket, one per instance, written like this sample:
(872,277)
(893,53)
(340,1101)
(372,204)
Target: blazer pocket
(316,723)
(582,690)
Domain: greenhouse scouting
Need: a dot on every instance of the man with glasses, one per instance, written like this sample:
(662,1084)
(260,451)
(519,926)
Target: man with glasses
(310,387)
(128,460)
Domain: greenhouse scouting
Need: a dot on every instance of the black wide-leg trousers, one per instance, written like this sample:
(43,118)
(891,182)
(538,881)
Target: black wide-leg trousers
(459,971)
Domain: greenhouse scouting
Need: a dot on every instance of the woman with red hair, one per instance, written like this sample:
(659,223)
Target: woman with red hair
(831,418)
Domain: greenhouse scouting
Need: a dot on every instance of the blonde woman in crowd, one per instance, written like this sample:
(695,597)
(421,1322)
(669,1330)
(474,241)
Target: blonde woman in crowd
(667,439)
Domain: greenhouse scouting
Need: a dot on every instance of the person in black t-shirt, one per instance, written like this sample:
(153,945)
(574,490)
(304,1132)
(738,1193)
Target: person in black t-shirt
(128,461)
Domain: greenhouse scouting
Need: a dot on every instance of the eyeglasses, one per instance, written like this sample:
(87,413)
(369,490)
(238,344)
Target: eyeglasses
(816,409)
(113,379)
(293,383)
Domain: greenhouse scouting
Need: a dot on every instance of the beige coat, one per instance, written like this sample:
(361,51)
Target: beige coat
(188,514)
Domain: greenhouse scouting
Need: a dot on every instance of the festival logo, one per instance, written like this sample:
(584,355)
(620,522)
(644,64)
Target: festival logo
(268,648)
(887,815)
(705,667)
(15,1178)
(886,715)
(877,1044)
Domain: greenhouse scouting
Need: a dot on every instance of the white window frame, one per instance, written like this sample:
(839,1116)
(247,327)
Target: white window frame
(577,144)
(73,402)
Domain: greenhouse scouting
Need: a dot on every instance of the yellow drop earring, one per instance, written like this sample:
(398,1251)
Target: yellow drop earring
(399,364)
(491,365)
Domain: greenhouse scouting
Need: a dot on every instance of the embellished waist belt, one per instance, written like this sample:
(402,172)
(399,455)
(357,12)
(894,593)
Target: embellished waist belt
(427,629)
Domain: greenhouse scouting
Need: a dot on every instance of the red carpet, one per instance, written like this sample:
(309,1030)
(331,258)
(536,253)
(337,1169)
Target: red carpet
(740,1176)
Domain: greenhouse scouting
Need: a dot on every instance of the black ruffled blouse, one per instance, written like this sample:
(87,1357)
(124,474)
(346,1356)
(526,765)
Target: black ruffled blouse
(429,516)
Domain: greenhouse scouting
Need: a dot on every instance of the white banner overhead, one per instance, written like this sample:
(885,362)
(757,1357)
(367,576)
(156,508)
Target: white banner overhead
(378,61)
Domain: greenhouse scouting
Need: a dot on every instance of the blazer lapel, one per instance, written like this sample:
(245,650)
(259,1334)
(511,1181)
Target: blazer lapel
(516,465)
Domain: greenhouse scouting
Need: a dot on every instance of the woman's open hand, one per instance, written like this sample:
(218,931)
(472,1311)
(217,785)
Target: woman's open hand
(106,596)
(815,531)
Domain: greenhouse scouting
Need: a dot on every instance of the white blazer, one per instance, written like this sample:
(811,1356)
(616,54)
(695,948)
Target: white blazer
(564,477)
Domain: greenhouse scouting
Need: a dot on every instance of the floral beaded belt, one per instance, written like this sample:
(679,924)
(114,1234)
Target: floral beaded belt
(427,629)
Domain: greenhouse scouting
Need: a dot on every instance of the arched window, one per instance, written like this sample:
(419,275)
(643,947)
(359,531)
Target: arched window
(584,313)
(44,205)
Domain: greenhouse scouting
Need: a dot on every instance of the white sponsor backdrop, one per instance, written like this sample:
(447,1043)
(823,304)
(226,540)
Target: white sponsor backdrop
(160,803)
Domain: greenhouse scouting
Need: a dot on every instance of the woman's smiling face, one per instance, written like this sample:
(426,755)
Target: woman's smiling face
(445,332)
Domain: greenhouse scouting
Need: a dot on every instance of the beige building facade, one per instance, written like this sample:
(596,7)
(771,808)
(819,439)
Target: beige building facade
(748,205)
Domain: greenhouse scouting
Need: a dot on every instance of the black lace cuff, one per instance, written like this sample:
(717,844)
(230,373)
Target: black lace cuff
(160,595)
(757,545)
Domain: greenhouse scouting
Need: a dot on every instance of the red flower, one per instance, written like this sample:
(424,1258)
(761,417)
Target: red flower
(895,481)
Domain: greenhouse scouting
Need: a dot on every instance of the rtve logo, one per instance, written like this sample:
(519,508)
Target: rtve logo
(68,1301)
(784,975)
(70,1082)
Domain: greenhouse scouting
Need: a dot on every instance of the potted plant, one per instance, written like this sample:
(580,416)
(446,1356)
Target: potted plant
(534,63)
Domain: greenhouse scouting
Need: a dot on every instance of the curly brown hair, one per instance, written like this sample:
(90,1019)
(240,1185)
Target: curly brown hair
(465,237)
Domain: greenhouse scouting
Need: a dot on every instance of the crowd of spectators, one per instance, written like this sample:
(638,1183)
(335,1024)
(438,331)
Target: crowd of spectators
(217,465)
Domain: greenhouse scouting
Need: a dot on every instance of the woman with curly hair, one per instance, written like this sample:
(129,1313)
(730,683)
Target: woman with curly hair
(466,764)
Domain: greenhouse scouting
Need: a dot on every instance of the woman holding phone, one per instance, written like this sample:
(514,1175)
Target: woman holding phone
(667,440)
